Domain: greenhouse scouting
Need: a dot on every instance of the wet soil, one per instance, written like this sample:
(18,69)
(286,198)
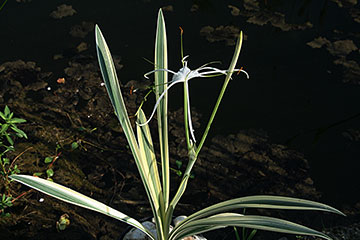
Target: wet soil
(77,109)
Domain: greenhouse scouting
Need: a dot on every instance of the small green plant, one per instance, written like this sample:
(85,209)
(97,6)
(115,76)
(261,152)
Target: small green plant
(245,235)
(50,166)
(63,222)
(8,132)
(156,184)
(6,201)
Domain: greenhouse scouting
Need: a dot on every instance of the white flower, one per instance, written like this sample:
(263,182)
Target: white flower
(184,75)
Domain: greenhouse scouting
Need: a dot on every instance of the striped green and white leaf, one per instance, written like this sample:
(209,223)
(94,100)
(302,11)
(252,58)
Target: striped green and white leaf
(113,88)
(161,80)
(147,151)
(111,81)
(249,221)
(261,201)
(70,196)
(150,168)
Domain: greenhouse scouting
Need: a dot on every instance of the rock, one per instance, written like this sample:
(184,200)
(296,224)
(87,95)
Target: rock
(259,16)
(179,219)
(351,70)
(136,234)
(83,46)
(234,10)
(319,42)
(251,5)
(168,8)
(341,47)
(62,11)
(81,30)
(229,34)
(355,14)
(345,3)
(194,8)
(277,20)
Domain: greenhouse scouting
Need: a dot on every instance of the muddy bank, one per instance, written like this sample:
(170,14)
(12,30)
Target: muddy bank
(77,109)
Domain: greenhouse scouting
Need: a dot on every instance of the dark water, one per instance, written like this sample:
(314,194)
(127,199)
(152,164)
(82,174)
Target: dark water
(294,91)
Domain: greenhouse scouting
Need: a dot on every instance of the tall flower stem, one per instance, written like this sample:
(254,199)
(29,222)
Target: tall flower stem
(186,116)
(226,82)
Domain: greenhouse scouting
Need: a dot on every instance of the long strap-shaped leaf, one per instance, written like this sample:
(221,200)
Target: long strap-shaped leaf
(68,195)
(260,201)
(161,80)
(147,150)
(250,221)
(151,173)
(113,88)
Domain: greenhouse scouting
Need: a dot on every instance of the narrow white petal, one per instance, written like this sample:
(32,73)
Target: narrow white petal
(157,70)
(247,75)
(191,129)
(157,103)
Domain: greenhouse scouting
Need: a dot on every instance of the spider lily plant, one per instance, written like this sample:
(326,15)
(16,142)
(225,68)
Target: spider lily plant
(157,186)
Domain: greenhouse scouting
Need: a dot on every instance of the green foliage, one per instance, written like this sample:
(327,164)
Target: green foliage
(74,145)
(8,132)
(50,164)
(157,186)
(63,222)
(245,235)
(5,201)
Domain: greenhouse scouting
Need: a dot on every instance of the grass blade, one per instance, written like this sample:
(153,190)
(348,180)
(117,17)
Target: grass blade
(70,196)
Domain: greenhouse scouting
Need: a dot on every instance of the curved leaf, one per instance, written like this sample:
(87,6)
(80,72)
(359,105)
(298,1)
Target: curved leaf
(260,201)
(250,221)
(70,196)
(113,88)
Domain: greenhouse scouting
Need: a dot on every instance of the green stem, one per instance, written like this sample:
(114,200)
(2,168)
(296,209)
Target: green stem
(226,82)
(186,117)
(212,116)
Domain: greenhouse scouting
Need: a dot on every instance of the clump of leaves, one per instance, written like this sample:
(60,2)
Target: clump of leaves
(8,132)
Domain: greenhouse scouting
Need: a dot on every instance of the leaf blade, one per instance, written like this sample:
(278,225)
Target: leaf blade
(70,196)
(259,201)
(249,221)
(161,80)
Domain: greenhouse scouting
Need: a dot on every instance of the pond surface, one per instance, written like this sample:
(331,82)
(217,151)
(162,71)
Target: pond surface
(302,57)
